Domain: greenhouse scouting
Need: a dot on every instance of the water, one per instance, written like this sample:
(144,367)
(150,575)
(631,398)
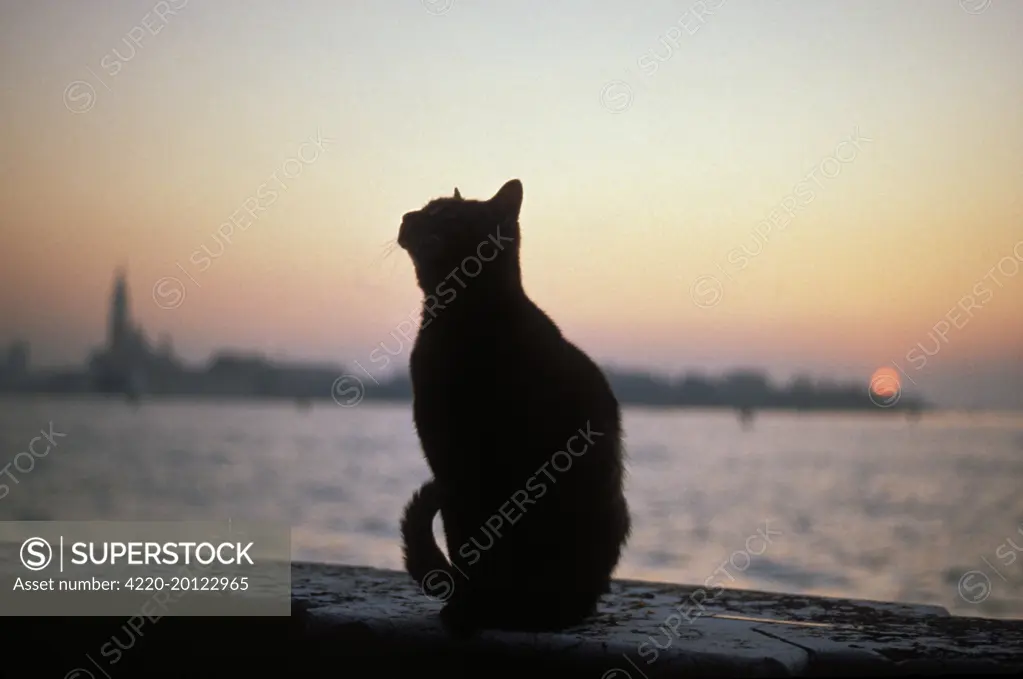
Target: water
(854,505)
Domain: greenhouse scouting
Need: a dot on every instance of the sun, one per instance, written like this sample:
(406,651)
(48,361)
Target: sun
(885,382)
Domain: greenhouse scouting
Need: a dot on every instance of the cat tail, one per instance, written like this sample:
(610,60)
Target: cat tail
(422,555)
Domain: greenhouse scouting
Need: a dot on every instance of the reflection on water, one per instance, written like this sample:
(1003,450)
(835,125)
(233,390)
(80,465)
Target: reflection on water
(850,505)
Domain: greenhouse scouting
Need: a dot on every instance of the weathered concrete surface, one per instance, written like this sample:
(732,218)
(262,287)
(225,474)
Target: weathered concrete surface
(382,618)
(352,621)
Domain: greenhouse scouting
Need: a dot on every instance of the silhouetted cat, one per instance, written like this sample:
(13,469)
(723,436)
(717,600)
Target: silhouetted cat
(519,427)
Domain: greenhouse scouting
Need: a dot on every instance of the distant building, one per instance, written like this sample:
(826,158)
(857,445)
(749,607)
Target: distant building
(246,373)
(128,362)
(697,390)
(14,365)
(17,359)
(746,388)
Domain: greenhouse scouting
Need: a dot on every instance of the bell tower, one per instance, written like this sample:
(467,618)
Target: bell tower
(120,324)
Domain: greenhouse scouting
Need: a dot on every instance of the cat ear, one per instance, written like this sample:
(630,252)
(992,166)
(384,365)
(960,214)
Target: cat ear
(458,196)
(509,199)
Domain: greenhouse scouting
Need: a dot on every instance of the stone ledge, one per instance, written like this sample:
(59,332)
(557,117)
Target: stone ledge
(357,621)
(368,612)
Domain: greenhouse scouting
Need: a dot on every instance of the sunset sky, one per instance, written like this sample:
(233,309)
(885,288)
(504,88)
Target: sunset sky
(653,140)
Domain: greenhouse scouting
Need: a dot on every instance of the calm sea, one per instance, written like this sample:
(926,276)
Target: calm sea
(853,505)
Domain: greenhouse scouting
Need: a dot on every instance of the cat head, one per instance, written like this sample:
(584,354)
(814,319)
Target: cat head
(475,242)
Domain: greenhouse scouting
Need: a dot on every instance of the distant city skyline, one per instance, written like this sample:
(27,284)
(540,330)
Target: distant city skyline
(825,188)
(129,365)
(127,349)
